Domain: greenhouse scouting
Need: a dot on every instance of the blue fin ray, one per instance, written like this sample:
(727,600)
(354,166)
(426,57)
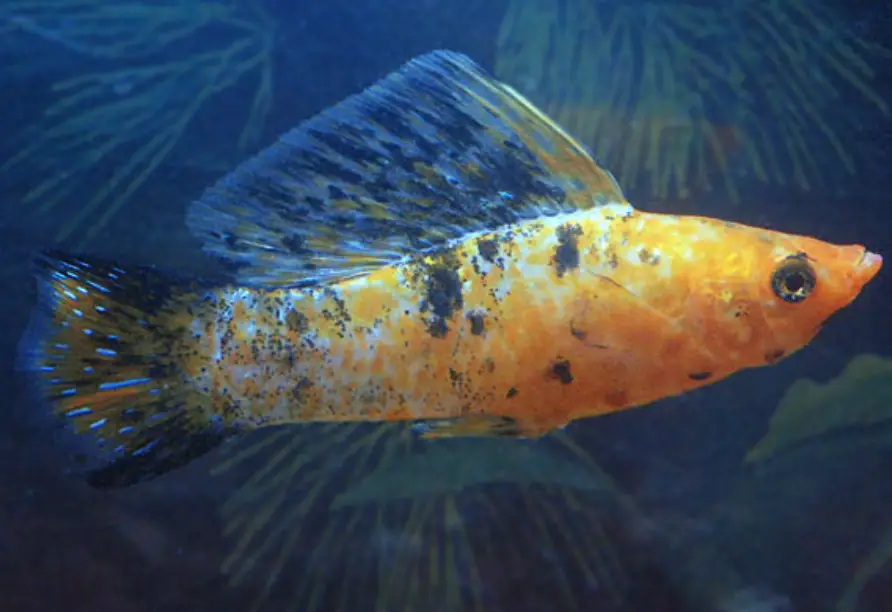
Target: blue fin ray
(104,351)
(430,153)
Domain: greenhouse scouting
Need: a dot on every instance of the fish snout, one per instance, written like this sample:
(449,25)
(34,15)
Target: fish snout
(868,265)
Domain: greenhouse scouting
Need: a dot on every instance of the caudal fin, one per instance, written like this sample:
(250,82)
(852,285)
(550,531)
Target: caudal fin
(109,350)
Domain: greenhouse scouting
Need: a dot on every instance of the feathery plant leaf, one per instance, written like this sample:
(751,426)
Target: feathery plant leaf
(420,524)
(672,94)
(120,123)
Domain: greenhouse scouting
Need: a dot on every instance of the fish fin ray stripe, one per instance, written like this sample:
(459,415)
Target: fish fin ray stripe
(430,153)
(100,351)
(478,426)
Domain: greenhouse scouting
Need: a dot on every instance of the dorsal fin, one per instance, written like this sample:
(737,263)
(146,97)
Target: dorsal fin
(433,151)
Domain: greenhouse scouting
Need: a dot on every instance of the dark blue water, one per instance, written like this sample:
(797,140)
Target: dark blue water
(651,509)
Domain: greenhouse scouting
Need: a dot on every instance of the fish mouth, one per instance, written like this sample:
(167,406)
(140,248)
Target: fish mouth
(870,261)
(866,267)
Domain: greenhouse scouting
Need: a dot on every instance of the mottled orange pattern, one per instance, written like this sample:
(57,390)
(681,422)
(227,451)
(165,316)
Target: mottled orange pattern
(543,322)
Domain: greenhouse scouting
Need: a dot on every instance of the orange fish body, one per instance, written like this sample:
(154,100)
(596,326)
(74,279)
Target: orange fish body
(544,323)
(434,249)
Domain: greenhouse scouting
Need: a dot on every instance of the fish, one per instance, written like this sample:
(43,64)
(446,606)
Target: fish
(432,250)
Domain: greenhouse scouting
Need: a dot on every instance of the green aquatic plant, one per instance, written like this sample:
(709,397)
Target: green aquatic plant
(879,560)
(324,494)
(670,94)
(346,517)
(859,398)
(429,495)
(110,29)
(161,63)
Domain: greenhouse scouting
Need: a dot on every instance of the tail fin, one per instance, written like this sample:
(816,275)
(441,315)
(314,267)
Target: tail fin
(108,348)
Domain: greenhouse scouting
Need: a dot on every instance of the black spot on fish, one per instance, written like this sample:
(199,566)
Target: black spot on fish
(297,321)
(443,293)
(648,257)
(774,356)
(488,249)
(478,322)
(295,244)
(297,391)
(455,378)
(577,333)
(231,242)
(566,254)
(437,328)
(561,370)
(317,204)
(475,263)
(341,316)
(341,306)
(700,375)
(511,393)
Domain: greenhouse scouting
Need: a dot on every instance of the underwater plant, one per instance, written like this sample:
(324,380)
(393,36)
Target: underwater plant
(860,397)
(158,64)
(407,524)
(671,94)
(428,518)
(870,568)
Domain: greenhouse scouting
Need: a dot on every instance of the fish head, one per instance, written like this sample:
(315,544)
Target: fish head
(761,294)
(808,281)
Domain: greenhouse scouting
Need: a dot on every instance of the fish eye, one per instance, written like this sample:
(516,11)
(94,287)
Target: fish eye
(794,279)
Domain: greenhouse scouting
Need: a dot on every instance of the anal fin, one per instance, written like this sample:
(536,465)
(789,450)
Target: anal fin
(479,426)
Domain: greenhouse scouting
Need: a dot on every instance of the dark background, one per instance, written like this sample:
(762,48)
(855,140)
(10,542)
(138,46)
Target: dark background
(797,530)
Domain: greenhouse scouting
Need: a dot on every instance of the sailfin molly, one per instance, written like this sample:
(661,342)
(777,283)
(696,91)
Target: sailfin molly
(431,250)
